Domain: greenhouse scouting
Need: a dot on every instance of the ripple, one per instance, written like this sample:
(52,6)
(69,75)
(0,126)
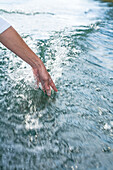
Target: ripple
(25,13)
(72,129)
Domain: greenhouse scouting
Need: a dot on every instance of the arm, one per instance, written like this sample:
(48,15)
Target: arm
(12,40)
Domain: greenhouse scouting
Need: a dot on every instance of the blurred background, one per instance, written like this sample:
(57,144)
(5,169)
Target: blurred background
(73,129)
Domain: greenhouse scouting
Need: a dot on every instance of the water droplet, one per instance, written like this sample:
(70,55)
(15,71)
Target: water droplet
(107,127)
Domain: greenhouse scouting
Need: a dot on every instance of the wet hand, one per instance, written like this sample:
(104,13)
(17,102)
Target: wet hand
(43,77)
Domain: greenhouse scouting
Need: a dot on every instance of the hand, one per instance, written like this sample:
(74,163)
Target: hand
(43,77)
(12,40)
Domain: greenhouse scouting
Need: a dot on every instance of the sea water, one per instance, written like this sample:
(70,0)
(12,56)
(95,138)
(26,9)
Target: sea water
(72,129)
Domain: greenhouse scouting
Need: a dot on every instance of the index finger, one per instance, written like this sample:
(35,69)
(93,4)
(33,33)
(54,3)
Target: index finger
(51,83)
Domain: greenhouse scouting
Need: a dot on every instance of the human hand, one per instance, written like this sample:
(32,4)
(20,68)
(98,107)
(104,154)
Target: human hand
(12,40)
(43,77)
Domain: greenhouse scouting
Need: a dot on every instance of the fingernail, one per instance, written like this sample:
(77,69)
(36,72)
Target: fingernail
(48,93)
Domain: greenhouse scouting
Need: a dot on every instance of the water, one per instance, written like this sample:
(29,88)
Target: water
(72,129)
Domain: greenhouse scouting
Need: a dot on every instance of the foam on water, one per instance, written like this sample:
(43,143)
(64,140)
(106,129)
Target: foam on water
(72,129)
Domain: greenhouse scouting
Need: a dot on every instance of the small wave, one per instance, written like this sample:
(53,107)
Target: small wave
(25,13)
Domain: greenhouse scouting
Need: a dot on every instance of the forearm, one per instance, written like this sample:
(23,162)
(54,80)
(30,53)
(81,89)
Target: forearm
(12,40)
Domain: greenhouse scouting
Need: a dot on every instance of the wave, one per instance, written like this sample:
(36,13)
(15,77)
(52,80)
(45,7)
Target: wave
(25,13)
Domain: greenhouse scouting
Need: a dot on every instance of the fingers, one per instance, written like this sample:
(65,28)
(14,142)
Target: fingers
(52,85)
(46,81)
(47,84)
(46,87)
(43,89)
(48,91)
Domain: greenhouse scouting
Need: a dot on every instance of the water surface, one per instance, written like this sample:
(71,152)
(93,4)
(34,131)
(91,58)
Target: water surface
(73,129)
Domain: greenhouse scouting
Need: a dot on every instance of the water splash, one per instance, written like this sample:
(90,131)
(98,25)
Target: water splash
(74,128)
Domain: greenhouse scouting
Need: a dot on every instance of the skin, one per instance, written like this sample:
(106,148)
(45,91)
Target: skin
(12,40)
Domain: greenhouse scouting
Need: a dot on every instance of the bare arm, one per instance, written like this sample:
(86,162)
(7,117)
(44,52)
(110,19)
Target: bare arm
(12,40)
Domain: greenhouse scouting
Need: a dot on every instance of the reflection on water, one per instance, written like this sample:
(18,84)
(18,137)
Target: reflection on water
(72,129)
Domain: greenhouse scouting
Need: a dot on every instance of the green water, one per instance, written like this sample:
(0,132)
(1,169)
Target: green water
(73,129)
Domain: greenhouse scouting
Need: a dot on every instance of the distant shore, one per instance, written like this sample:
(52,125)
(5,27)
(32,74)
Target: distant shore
(108,0)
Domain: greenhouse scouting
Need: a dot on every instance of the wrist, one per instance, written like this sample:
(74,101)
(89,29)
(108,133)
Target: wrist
(36,62)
